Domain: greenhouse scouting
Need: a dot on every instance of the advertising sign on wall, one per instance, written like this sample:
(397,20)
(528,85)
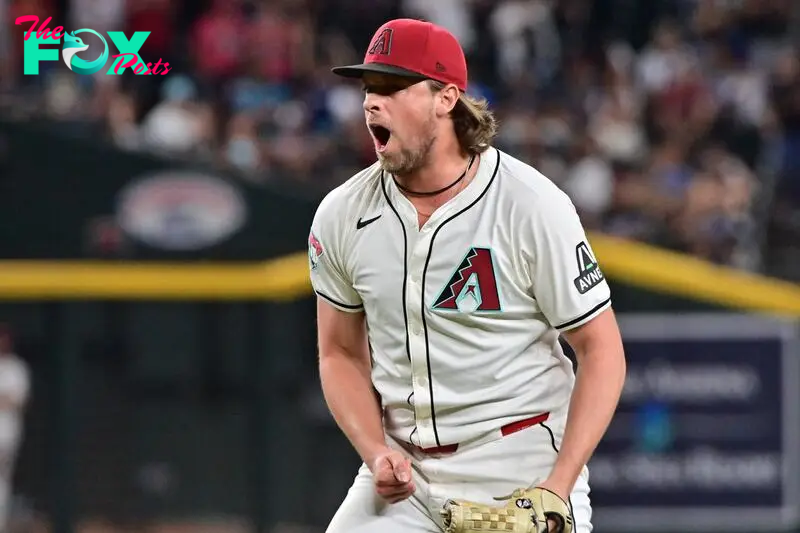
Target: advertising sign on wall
(707,434)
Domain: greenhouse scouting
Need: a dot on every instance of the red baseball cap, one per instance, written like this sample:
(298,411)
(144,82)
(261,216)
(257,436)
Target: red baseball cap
(414,49)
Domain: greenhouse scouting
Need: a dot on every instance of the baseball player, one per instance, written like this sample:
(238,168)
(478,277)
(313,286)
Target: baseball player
(14,396)
(445,273)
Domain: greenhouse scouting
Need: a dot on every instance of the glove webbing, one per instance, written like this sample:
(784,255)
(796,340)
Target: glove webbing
(482,518)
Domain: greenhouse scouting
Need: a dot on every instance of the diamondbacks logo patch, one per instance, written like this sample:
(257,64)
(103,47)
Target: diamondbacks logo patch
(473,285)
(589,273)
(382,44)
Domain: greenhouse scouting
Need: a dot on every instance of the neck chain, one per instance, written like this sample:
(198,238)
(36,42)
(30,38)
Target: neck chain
(438,191)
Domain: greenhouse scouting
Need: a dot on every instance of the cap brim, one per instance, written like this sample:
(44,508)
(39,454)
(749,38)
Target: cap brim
(358,71)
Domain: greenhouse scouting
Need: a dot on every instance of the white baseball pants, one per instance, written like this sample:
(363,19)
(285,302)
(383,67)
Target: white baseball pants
(477,473)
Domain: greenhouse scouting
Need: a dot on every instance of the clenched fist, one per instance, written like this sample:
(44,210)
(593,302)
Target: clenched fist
(391,471)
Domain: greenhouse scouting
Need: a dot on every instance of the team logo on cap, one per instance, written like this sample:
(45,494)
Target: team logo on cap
(473,286)
(383,43)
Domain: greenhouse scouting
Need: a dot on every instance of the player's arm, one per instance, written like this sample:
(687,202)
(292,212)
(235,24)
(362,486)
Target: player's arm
(345,363)
(572,293)
(345,373)
(600,376)
(344,357)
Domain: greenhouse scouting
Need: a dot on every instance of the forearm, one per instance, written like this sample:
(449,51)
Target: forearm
(598,386)
(347,386)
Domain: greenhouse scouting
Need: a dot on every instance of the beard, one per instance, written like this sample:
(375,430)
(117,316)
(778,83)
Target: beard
(409,160)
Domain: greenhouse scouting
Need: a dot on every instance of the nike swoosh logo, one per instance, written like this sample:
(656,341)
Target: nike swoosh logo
(362,223)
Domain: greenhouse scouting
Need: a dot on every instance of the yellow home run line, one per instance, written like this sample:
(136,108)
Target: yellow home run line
(286,278)
(666,272)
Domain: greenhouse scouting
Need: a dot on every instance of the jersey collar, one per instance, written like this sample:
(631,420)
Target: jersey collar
(487,165)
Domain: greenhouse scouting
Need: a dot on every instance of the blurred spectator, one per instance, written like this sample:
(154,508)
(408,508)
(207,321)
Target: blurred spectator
(100,15)
(242,148)
(217,42)
(179,124)
(5,45)
(615,122)
(590,185)
(527,40)
(159,18)
(14,392)
(280,42)
(664,60)
(786,99)
(450,14)
(18,8)
(673,122)
(121,122)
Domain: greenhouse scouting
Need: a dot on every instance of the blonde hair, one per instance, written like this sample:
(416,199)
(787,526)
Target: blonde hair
(475,125)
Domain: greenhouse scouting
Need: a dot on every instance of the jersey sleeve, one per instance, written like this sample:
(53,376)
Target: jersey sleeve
(328,273)
(566,279)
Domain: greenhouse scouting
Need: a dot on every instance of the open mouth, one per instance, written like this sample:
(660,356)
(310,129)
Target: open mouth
(381,135)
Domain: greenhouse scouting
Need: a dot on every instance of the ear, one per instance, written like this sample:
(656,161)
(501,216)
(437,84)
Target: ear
(446,100)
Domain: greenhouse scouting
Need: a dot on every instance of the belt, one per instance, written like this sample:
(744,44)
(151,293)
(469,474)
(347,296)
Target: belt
(506,430)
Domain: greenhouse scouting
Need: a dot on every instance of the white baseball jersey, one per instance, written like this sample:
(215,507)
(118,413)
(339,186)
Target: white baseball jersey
(463,314)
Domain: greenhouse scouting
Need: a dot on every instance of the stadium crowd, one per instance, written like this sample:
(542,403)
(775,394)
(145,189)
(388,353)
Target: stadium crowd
(675,122)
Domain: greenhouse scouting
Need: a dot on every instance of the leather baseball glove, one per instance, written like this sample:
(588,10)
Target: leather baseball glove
(526,511)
